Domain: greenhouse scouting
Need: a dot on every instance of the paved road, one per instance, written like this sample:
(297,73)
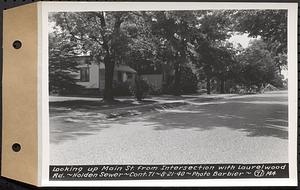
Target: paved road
(240,129)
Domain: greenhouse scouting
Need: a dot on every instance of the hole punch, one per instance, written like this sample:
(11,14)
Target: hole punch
(16,147)
(17,44)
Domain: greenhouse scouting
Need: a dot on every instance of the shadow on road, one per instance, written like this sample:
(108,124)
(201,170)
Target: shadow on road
(255,119)
(257,116)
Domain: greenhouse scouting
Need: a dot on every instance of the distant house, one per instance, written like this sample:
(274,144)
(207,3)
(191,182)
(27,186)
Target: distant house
(91,74)
(155,80)
(152,73)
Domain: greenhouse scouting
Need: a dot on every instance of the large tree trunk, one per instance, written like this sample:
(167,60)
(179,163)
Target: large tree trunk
(109,74)
(177,75)
(110,57)
(138,91)
(222,86)
(179,59)
(208,88)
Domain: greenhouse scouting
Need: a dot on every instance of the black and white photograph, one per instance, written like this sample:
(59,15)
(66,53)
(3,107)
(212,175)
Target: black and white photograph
(167,90)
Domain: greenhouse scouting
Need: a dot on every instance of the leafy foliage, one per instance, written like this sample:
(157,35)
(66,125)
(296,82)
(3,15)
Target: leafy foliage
(189,81)
(99,34)
(122,89)
(270,25)
(142,52)
(141,88)
(257,66)
(174,29)
(61,66)
(169,42)
(213,56)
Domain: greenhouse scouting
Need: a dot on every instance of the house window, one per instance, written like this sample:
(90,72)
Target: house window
(84,74)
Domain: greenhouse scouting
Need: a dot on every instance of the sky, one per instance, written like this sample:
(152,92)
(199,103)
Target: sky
(243,39)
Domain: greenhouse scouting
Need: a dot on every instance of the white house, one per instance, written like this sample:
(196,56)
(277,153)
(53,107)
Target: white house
(91,74)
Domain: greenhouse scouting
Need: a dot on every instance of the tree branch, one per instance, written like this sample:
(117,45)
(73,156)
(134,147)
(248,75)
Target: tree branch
(103,26)
(70,29)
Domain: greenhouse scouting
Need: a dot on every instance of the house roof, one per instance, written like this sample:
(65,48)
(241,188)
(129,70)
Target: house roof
(124,68)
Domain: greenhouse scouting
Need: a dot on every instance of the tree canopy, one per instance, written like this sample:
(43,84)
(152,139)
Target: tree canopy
(174,43)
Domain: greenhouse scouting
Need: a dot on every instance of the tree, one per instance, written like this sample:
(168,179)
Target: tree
(224,64)
(270,25)
(257,66)
(142,52)
(61,66)
(99,34)
(173,28)
(216,60)
(211,58)
(188,81)
(142,44)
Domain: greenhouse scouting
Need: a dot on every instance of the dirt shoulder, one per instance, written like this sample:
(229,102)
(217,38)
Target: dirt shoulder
(123,107)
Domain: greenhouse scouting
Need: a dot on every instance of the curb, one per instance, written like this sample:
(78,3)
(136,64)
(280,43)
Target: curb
(138,110)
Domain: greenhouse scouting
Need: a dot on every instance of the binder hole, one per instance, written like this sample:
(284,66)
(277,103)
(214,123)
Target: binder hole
(16,147)
(17,44)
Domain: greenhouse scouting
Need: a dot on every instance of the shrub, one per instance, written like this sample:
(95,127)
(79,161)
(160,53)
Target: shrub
(141,88)
(154,91)
(188,82)
(63,84)
(122,89)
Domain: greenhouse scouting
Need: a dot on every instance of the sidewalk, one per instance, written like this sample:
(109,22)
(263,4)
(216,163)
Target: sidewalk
(128,106)
(155,98)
